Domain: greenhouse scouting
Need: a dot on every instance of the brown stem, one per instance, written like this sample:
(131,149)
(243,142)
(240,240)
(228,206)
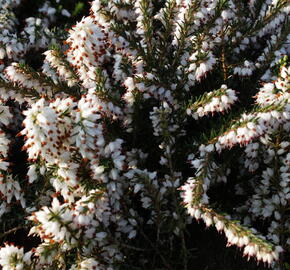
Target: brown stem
(11,231)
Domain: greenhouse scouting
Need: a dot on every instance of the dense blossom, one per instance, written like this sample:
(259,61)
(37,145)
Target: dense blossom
(118,163)
(252,131)
(12,257)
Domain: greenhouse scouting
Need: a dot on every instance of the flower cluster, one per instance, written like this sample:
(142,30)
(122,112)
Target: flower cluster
(256,131)
(217,101)
(36,33)
(55,60)
(12,257)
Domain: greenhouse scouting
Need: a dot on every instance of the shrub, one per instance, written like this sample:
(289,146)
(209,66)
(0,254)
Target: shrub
(142,120)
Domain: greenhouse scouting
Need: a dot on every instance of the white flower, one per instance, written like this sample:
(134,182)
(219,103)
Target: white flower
(12,257)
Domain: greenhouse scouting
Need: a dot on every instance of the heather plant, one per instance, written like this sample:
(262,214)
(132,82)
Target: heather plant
(149,117)
(29,27)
